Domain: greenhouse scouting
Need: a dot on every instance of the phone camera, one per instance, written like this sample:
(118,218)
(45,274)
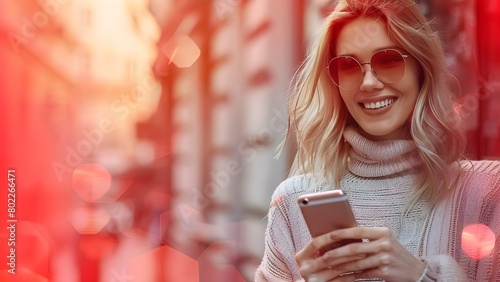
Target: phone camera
(305,201)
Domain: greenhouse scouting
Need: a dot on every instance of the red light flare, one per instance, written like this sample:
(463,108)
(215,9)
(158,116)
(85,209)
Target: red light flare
(478,240)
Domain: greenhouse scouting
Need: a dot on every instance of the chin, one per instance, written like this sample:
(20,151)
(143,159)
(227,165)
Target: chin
(383,134)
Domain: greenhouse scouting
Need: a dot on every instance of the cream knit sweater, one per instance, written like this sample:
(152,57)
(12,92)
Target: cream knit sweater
(381,177)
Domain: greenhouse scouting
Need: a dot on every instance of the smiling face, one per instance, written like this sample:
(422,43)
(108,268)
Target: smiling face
(380,109)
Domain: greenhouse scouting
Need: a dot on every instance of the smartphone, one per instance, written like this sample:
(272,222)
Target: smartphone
(325,212)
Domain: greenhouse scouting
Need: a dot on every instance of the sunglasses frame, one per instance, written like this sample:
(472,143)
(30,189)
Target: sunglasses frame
(404,56)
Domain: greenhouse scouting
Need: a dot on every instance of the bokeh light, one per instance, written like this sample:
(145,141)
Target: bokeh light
(90,220)
(150,265)
(182,51)
(216,262)
(478,240)
(91,181)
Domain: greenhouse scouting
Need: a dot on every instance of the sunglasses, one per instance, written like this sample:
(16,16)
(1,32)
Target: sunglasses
(388,66)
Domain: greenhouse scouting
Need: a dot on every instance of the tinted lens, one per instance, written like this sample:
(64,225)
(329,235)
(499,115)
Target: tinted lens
(388,65)
(346,72)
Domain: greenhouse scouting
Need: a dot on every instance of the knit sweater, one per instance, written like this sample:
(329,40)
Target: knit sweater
(381,177)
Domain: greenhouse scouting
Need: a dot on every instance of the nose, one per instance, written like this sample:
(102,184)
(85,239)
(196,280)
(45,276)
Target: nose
(370,82)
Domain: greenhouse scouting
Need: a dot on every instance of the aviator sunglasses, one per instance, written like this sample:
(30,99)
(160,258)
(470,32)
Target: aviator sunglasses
(388,66)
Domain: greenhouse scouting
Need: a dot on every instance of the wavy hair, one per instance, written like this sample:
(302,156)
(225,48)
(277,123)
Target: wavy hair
(318,115)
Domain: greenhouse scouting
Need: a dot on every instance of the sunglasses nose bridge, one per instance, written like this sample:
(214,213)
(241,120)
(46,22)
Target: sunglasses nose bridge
(371,79)
(364,70)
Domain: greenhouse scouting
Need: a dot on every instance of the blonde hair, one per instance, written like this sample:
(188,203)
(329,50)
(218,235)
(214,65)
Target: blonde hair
(318,115)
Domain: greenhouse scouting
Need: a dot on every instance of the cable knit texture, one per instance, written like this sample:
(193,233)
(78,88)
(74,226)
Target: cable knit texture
(382,177)
(380,159)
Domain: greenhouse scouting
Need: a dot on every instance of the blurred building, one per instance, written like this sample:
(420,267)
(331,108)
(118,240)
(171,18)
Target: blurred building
(78,80)
(226,111)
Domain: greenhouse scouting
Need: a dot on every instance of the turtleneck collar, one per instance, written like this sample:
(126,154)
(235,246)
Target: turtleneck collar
(369,158)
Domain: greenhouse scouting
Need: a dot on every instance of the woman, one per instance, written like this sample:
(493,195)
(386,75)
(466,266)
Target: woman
(373,116)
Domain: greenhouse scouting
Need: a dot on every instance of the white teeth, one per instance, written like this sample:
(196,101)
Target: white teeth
(380,104)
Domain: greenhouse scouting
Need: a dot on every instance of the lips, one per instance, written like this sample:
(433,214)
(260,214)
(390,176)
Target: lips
(375,105)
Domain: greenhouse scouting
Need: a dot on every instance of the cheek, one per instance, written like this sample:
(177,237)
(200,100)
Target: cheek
(347,104)
(415,74)
(411,101)
(346,97)
(411,84)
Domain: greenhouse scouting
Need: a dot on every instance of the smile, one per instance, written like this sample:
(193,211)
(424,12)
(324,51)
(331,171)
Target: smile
(379,105)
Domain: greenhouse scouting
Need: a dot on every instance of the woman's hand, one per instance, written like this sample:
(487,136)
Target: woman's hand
(382,257)
(314,267)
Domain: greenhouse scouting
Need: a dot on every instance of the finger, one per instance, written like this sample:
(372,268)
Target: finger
(352,276)
(322,263)
(313,265)
(370,233)
(310,267)
(361,249)
(332,260)
(311,249)
(375,261)
(368,273)
(324,275)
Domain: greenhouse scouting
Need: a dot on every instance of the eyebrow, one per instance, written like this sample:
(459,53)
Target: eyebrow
(376,50)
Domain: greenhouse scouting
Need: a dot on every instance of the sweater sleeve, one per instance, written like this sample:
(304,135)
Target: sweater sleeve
(279,254)
(483,207)
(443,268)
(488,268)
(483,262)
